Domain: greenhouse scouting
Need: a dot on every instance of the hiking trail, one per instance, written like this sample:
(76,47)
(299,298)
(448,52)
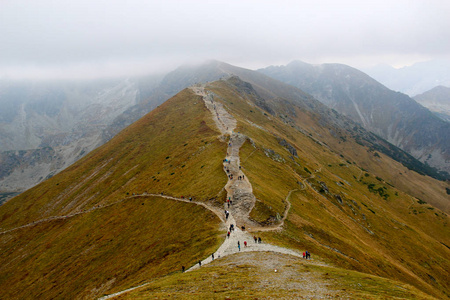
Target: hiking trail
(239,192)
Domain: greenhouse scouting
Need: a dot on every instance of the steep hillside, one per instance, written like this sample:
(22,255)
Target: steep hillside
(437,100)
(116,239)
(47,126)
(391,115)
(345,214)
(126,214)
(170,84)
(70,119)
(327,204)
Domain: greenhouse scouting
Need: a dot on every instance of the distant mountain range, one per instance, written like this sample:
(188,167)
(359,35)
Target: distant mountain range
(391,115)
(414,79)
(437,100)
(45,127)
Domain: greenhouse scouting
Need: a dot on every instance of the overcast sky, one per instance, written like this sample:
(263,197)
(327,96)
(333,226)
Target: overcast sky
(86,38)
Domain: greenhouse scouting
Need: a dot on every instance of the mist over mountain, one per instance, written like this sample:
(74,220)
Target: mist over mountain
(45,126)
(170,84)
(150,201)
(391,115)
(414,79)
(107,107)
(437,100)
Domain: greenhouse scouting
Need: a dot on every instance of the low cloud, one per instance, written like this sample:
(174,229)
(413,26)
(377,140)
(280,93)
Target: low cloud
(94,39)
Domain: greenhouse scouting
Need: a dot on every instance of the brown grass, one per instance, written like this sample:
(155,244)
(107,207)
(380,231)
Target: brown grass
(174,150)
(356,233)
(106,250)
(252,276)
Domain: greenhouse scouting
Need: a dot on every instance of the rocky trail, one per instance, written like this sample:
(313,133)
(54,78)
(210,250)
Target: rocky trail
(240,198)
(239,190)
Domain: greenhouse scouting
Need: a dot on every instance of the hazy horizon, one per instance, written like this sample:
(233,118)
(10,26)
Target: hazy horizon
(85,40)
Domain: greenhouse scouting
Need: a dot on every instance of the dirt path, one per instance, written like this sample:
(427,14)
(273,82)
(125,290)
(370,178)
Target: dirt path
(239,190)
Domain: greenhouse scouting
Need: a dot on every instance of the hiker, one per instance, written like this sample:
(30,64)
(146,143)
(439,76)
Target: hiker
(243,228)
(245,243)
(259,240)
(212,256)
(226,215)
(304,255)
(239,246)
(182,269)
(190,198)
(200,263)
(255,238)
(308,255)
(228,236)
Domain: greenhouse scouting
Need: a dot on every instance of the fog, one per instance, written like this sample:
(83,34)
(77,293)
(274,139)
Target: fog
(87,39)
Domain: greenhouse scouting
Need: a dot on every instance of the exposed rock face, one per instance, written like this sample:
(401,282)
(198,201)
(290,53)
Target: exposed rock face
(391,115)
(288,146)
(437,100)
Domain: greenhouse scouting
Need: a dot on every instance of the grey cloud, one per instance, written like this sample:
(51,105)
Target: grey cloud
(72,35)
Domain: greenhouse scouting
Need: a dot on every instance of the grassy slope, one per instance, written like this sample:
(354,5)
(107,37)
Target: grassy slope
(174,150)
(358,233)
(170,150)
(317,221)
(252,276)
(106,250)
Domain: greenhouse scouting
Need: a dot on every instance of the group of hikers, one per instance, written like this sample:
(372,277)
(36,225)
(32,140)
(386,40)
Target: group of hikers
(227,169)
(231,229)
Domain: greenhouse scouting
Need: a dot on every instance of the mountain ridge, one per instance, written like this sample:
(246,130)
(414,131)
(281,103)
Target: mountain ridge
(343,215)
(391,115)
